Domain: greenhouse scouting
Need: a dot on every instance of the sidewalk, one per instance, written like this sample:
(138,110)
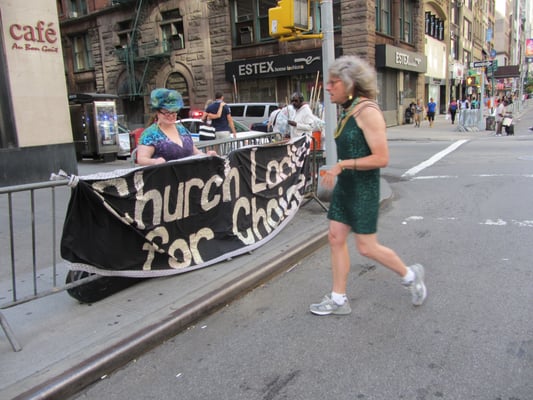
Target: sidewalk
(67,345)
(442,130)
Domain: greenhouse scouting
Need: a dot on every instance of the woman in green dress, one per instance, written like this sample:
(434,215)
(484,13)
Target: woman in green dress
(362,150)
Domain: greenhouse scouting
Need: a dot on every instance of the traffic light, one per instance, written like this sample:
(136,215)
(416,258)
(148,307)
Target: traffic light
(288,17)
(472,80)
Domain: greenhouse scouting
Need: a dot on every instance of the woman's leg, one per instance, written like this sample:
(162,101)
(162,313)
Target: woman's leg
(368,246)
(340,258)
(412,277)
(337,303)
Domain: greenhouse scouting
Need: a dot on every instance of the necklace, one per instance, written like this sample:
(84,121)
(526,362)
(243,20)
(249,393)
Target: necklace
(345,115)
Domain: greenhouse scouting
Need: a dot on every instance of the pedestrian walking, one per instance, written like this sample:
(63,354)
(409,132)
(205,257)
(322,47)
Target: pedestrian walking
(431,109)
(278,121)
(362,149)
(419,110)
(500,113)
(301,117)
(224,124)
(452,109)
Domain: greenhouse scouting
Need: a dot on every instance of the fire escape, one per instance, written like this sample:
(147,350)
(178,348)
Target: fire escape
(137,53)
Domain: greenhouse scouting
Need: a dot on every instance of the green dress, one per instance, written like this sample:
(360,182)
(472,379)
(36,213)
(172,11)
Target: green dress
(355,197)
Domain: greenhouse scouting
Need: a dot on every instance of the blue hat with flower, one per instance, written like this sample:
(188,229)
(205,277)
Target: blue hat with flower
(167,99)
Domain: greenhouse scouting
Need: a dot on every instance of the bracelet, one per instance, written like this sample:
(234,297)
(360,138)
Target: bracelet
(354,165)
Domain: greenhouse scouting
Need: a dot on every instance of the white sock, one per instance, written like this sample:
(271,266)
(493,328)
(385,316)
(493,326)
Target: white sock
(339,298)
(409,276)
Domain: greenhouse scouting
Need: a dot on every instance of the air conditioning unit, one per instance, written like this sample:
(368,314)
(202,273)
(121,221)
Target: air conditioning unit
(243,18)
(73,14)
(246,35)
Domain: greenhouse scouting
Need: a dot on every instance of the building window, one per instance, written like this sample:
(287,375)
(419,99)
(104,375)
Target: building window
(467,58)
(406,21)
(409,84)
(251,21)
(467,29)
(172,33)
(77,8)
(124,33)
(454,15)
(316,16)
(434,26)
(263,7)
(387,89)
(83,59)
(454,47)
(383,17)
(257,90)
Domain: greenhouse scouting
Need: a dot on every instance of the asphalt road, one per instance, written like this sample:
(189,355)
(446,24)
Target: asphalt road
(467,217)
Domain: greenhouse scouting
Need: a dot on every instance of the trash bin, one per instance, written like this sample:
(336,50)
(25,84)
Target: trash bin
(490,123)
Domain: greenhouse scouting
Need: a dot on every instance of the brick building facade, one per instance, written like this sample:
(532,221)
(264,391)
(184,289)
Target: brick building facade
(204,46)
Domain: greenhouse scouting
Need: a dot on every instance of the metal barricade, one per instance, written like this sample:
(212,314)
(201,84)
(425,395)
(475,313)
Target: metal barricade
(469,120)
(29,220)
(224,146)
(28,246)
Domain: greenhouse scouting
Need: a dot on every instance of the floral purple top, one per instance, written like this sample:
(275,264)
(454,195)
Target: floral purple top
(164,147)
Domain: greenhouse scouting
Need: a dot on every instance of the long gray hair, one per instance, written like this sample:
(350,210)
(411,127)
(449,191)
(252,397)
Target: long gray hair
(359,78)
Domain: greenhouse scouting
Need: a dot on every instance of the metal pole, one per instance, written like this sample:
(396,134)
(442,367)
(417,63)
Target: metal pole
(481,97)
(328,56)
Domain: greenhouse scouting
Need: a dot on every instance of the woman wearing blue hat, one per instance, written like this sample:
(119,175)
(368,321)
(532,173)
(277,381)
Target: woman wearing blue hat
(165,140)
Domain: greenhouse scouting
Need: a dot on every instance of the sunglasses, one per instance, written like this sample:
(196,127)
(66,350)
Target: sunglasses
(167,113)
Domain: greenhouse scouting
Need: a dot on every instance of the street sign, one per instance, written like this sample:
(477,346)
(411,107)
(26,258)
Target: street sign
(481,64)
(493,68)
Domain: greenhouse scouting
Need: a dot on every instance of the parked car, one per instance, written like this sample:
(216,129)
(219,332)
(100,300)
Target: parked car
(187,112)
(193,126)
(261,126)
(251,113)
(124,150)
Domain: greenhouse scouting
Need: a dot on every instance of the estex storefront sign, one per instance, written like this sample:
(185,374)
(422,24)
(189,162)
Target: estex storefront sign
(395,57)
(41,37)
(269,67)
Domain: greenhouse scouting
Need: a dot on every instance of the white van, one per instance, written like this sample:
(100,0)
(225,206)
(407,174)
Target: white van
(251,113)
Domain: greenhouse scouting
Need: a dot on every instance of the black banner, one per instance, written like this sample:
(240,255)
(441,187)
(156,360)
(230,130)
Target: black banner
(186,214)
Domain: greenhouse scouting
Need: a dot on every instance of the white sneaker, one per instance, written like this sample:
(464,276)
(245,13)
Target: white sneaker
(416,286)
(328,306)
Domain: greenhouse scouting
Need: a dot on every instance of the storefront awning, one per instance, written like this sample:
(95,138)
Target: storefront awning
(507,71)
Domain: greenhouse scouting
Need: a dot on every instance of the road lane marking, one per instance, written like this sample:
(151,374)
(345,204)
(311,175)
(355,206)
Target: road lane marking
(490,222)
(428,177)
(429,162)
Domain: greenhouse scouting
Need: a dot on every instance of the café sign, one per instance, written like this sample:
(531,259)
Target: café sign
(39,37)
